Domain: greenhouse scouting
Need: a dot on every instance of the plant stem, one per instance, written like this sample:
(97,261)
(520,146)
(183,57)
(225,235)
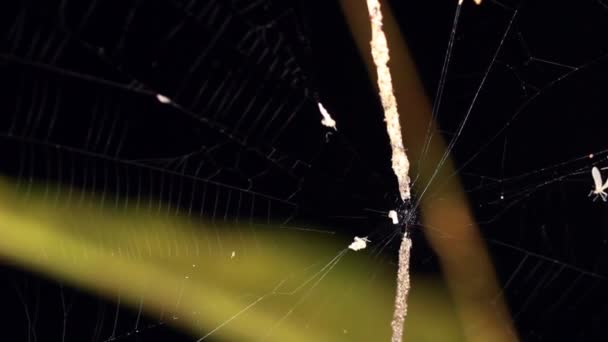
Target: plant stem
(400,162)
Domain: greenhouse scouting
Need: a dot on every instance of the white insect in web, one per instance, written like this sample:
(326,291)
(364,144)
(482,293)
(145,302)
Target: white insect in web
(393,216)
(599,187)
(327,120)
(477,2)
(163,99)
(400,163)
(359,243)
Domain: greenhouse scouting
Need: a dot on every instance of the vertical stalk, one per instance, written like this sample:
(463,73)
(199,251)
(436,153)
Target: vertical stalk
(400,162)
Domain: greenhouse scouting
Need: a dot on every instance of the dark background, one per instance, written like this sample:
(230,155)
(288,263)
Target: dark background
(78,106)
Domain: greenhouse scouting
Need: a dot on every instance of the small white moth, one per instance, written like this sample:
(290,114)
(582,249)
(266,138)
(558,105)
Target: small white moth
(359,243)
(598,191)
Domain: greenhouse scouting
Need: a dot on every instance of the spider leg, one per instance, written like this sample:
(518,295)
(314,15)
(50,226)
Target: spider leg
(604,196)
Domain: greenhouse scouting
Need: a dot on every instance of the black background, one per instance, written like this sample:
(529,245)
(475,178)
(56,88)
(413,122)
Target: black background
(79,81)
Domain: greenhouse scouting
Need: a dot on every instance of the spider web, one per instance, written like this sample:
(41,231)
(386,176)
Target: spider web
(209,109)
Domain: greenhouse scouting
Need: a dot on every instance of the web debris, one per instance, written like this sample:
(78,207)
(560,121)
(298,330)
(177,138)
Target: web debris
(327,120)
(163,99)
(359,243)
(393,216)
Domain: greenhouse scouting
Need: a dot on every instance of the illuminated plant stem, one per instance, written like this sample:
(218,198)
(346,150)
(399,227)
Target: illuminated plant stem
(380,54)
(400,163)
(403,288)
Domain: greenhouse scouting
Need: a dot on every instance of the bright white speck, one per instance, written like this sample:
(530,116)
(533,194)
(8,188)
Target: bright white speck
(477,2)
(327,121)
(393,216)
(163,99)
(359,243)
(233,255)
(591,156)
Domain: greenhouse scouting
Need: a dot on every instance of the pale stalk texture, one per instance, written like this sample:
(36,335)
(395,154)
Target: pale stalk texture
(400,163)
(403,288)
(380,53)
